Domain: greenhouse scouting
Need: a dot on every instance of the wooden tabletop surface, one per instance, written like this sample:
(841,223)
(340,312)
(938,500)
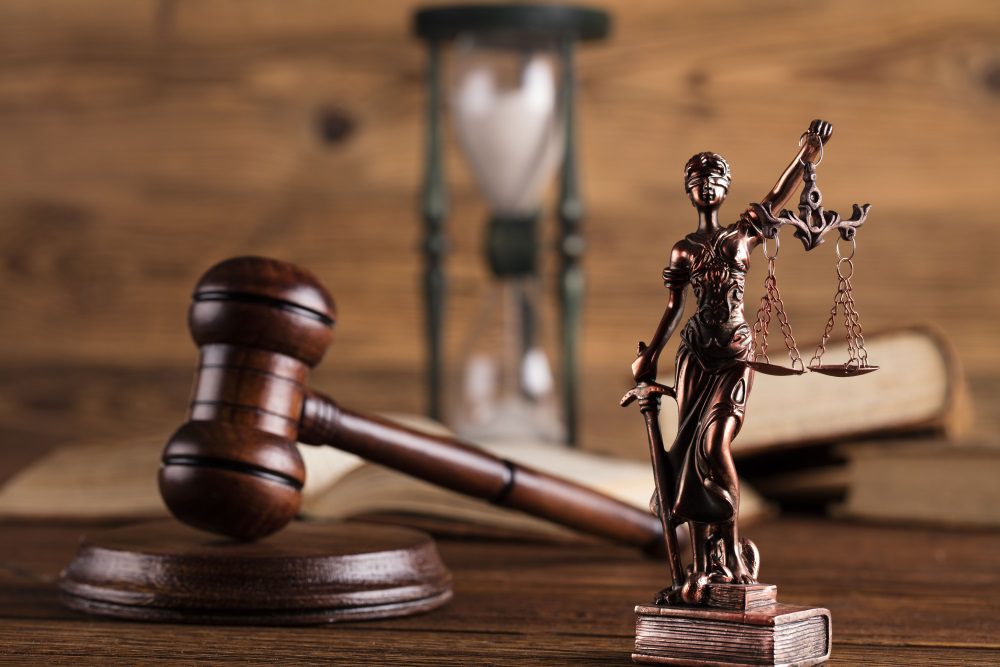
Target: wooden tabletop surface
(898,597)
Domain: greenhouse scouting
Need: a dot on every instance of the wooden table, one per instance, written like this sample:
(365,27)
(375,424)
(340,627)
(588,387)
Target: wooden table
(898,597)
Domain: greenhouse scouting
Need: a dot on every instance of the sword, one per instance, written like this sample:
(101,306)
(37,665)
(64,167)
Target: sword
(648,394)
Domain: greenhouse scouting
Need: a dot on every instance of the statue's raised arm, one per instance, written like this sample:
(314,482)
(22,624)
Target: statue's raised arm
(810,148)
(812,222)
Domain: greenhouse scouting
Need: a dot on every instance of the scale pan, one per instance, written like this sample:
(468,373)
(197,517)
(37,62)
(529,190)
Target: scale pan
(842,370)
(773,369)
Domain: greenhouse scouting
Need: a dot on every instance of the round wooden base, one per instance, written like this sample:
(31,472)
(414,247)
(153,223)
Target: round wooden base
(164,571)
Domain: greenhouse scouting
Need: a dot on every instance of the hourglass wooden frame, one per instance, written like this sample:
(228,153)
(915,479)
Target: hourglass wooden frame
(565,25)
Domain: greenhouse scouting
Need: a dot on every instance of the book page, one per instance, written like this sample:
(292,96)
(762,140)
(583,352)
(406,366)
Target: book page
(101,479)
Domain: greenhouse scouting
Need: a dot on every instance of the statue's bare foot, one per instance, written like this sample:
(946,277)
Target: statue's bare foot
(741,573)
(741,566)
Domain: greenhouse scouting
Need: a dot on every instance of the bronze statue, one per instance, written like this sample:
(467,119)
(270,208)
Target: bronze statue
(695,478)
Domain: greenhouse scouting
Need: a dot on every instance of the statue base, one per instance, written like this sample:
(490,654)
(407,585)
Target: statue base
(752,629)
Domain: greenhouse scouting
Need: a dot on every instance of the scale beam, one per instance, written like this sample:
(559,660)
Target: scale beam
(813,222)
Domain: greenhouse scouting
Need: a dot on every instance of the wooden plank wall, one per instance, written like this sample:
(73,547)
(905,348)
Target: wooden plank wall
(141,141)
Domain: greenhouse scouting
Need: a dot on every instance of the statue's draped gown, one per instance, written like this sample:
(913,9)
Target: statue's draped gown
(713,382)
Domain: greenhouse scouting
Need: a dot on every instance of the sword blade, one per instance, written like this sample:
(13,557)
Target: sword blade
(663,476)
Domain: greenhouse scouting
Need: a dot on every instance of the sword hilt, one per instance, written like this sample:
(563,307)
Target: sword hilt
(647,391)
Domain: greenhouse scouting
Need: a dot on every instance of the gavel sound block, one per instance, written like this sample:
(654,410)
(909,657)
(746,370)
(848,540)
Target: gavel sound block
(233,470)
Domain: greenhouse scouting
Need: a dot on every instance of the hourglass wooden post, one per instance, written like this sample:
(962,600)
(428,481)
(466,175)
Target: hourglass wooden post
(715,611)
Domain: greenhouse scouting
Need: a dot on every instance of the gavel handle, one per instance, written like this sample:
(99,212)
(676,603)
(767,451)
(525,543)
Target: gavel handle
(468,470)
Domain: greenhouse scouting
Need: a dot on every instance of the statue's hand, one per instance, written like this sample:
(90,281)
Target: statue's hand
(643,368)
(646,390)
(821,129)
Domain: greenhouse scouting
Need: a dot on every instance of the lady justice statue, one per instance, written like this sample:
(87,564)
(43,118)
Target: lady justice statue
(696,480)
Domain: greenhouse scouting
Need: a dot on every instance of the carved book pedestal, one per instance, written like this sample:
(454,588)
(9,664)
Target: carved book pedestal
(739,625)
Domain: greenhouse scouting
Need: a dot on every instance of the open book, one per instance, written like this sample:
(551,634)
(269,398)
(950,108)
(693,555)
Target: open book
(117,480)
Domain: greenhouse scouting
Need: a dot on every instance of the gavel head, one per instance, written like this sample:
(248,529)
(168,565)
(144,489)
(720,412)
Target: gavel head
(233,468)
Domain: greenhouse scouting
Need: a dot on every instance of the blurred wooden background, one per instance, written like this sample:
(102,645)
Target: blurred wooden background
(141,141)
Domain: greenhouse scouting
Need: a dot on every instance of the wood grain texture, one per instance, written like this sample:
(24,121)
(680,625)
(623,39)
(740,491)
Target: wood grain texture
(916,597)
(143,141)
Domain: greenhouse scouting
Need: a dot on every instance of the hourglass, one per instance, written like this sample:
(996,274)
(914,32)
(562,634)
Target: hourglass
(510,95)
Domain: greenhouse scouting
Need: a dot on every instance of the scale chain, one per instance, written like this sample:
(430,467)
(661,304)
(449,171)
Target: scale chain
(857,353)
(786,331)
(763,324)
(771,300)
(817,357)
(856,340)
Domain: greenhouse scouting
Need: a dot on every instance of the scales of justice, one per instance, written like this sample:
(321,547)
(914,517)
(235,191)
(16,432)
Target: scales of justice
(715,611)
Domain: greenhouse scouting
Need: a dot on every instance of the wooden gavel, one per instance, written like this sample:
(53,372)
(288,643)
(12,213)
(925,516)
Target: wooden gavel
(233,468)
